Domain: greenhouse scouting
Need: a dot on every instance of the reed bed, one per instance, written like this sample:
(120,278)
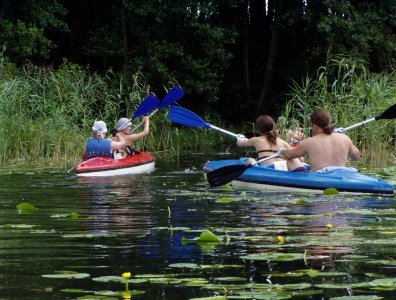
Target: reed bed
(351,94)
(46,115)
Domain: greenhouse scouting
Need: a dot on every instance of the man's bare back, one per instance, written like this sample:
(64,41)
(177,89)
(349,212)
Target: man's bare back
(326,148)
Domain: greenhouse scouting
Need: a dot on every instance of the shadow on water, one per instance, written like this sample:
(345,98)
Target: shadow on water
(86,232)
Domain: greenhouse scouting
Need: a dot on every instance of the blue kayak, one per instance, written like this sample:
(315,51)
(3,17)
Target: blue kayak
(346,180)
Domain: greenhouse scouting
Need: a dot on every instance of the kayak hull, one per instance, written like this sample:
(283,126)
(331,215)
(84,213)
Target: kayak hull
(140,162)
(345,180)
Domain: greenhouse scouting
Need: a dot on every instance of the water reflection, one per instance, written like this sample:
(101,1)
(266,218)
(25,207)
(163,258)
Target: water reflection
(136,224)
(121,205)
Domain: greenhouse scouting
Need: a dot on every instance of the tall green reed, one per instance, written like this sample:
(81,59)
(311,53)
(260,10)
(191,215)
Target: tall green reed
(47,114)
(351,94)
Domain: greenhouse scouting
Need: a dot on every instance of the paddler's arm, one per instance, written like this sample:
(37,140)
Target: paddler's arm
(243,142)
(134,137)
(286,145)
(296,152)
(353,153)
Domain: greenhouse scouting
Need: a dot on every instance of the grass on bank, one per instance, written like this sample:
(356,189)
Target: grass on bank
(46,115)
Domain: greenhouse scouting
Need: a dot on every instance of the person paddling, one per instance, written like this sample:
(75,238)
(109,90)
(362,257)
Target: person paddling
(98,145)
(326,148)
(123,128)
(267,144)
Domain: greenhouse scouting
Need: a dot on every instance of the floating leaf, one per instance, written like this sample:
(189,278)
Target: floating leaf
(210,298)
(196,282)
(98,296)
(154,275)
(117,279)
(316,273)
(20,226)
(274,256)
(224,200)
(67,275)
(74,215)
(205,237)
(60,216)
(87,235)
(330,191)
(75,291)
(230,279)
(388,284)
(184,265)
(362,297)
(267,295)
(342,285)
(26,206)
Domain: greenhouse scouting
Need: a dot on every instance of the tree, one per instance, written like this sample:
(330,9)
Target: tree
(26,26)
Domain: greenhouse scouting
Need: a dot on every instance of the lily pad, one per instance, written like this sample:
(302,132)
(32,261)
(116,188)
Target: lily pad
(118,279)
(230,279)
(184,265)
(274,256)
(26,206)
(362,297)
(20,226)
(67,275)
(388,284)
(224,200)
(205,237)
(210,298)
(330,191)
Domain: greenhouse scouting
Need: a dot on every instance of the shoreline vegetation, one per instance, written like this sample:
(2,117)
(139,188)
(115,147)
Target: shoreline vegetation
(46,115)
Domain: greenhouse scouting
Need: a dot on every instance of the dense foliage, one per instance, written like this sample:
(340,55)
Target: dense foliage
(242,54)
(64,64)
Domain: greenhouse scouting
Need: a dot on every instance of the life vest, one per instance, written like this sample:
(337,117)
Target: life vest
(98,147)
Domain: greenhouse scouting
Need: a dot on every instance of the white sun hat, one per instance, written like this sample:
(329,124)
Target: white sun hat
(123,123)
(99,127)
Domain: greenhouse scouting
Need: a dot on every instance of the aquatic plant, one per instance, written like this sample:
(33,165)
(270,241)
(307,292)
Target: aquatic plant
(351,94)
(46,115)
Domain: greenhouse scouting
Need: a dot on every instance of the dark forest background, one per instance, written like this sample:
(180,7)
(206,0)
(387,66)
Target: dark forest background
(234,58)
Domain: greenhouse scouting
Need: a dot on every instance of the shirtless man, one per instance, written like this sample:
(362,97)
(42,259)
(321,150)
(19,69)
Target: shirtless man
(326,148)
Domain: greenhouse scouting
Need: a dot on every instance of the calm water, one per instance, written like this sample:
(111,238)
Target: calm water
(135,224)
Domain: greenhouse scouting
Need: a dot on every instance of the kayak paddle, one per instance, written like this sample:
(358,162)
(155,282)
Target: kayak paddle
(147,106)
(224,175)
(390,113)
(170,98)
(186,117)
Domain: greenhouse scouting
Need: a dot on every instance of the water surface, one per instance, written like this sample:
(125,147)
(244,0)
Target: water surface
(100,227)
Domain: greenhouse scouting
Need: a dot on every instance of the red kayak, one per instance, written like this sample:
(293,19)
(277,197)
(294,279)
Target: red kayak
(140,162)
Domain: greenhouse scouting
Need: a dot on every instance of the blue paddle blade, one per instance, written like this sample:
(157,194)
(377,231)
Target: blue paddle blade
(172,96)
(186,117)
(147,106)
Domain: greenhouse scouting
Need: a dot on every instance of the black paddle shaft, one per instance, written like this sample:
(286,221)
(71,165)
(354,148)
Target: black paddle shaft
(224,175)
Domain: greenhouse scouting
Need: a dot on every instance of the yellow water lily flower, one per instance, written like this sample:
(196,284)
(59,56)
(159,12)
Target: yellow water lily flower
(281,240)
(329,226)
(126,275)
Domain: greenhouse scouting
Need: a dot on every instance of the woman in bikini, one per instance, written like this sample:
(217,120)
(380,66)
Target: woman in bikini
(267,144)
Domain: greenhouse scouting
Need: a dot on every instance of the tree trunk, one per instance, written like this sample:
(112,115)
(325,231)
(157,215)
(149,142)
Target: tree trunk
(4,7)
(269,66)
(245,33)
(124,37)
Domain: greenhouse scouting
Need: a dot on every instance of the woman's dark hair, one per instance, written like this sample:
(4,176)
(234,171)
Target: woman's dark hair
(267,127)
(322,118)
